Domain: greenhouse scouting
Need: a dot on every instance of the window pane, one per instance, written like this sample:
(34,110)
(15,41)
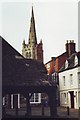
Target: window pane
(36,97)
(64,82)
(32,98)
(76,60)
(71,79)
(79,77)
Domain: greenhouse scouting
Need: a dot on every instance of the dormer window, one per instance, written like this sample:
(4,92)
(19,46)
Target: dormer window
(48,66)
(66,64)
(75,60)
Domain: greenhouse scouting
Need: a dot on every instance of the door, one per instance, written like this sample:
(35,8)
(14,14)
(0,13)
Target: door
(72,98)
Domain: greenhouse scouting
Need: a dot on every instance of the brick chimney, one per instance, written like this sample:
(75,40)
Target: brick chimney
(70,47)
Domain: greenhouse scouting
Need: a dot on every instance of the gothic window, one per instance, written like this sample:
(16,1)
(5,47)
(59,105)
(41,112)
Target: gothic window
(30,29)
(27,55)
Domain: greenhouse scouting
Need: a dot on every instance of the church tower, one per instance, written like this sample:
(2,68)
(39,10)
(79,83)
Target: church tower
(32,50)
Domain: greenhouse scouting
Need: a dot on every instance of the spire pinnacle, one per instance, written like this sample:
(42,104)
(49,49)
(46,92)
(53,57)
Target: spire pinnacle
(32,31)
(32,11)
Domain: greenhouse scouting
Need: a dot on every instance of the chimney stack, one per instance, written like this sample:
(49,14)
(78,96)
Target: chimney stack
(70,47)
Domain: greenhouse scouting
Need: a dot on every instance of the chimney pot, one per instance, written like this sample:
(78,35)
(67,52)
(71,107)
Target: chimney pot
(70,41)
(67,41)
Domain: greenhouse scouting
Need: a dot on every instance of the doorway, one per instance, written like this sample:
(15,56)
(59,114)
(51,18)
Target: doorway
(72,98)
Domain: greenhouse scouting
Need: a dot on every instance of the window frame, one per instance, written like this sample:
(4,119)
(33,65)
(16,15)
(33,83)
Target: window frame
(71,79)
(75,60)
(78,77)
(66,64)
(64,81)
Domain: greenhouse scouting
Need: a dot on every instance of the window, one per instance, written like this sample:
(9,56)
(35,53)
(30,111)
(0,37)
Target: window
(76,96)
(66,64)
(27,55)
(54,76)
(64,98)
(71,79)
(61,98)
(79,77)
(3,100)
(36,98)
(75,61)
(64,82)
(32,98)
(67,98)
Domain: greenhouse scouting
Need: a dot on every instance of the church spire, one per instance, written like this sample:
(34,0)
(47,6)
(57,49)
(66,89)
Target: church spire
(32,31)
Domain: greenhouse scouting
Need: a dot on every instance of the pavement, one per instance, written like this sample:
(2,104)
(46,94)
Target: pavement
(63,112)
(37,111)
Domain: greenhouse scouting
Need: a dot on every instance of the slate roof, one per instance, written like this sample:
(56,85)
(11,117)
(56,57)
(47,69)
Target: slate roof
(71,60)
(16,70)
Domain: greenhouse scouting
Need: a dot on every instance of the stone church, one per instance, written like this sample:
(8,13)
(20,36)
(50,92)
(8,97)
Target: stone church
(32,50)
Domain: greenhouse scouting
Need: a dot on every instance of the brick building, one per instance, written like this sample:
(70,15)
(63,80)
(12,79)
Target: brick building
(56,63)
(53,66)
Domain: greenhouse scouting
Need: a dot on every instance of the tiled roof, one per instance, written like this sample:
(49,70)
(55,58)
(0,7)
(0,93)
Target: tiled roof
(71,60)
(16,70)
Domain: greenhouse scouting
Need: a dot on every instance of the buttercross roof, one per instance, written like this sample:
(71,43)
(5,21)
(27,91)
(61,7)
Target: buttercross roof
(16,70)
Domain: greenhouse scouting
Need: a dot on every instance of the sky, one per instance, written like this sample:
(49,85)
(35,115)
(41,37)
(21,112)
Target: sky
(56,21)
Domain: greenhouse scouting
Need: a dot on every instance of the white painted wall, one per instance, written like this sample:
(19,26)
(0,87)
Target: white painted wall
(68,87)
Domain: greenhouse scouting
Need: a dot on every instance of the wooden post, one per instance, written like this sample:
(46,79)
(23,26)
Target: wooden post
(9,101)
(16,104)
(42,107)
(3,112)
(53,103)
(68,112)
(28,108)
(79,112)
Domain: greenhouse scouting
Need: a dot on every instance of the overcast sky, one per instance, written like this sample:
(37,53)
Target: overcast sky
(55,23)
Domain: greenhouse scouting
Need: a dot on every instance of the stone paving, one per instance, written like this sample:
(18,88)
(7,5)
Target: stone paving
(37,111)
(73,113)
